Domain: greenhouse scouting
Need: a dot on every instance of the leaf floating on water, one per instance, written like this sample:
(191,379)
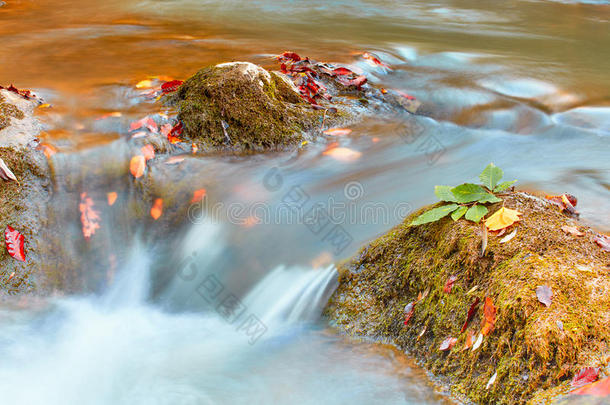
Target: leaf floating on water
(449,284)
(489,317)
(345,155)
(157,209)
(509,237)
(112,196)
(89,217)
(148,151)
(137,166)
(492,380)
(471,312)
(144,84)
(585,376)
(409,311)
(14,243)
(544,294)
(571,230)
(478,342)
(603,241)
(503,218)
(6,173)
(338,131)
(174,160)
(447,344)
(597,389)
(198,195)
(373,60)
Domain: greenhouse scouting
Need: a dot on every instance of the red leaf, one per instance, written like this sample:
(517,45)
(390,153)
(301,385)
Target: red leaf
(489,319)
(471,312)
(603,241)
(342,71)
(145,122)
(14,243)
(544,294)
(172,86)
(290,56)
(585,376)
(175,133)
(23,93)
(597,389)
(409,311)
(447,344)
(449,284)
(373,59)
(88,216)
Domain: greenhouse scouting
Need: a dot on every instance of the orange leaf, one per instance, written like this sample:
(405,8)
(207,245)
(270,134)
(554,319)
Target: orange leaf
(112,196)
(502,218)
(338,131)
(88,216)
(137,166)
(148,151)
(194,148)
(157,209)
(489,319)
(198,195)
(343,154)
(48,150)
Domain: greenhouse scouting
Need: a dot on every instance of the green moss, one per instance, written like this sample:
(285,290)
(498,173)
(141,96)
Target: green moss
(530,352)
(8,111)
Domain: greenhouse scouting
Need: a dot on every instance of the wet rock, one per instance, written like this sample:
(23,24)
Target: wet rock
(413,264)
(22,203)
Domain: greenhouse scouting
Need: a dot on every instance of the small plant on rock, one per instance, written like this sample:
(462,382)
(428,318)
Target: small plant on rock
(467,200)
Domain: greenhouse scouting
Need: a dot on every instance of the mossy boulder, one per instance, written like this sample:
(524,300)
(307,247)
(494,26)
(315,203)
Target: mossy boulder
(242,106)
(535,350)
(23,204)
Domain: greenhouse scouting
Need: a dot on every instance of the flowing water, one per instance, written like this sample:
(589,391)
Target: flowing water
(227,309)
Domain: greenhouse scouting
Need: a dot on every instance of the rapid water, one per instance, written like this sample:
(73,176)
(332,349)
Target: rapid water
(225,308)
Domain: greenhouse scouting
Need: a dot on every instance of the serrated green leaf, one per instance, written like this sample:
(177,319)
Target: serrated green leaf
(459,213)
(476,212)
(444,193)
(468,192)
(491,175)
(503,186)
(434,214)
(489,198)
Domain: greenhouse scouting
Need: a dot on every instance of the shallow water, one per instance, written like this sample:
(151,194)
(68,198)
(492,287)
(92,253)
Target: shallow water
(522,83)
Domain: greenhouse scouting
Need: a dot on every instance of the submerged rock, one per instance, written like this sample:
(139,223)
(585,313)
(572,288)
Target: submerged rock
(534,349)
(23,204)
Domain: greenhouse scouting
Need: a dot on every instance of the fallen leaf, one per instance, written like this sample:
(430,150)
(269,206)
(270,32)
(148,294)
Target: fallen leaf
(449,284)
(145,122)
(571,230)
(566,202)
(174,160)
(338,131)
(469,341)
(5,172)
(171,86)
(409,311)
(421,333)
(10,277)
(198,195)
(175,132)
(597,389)
(144,84)
(89,217)
(447,344)
(422,295)
(473,289)
(43,106)
(157,209)
(484,239)
(502,218)
(508,237)
(137,166)
(14,243)
(603,241)
(489,317)
(23,93)
(341,154)
(471,312)
(342,71)
(358,81)
(112,196)
(478,342)
(194,148)
(585,376)
(148,151)
(492,380)
(544,294)
(139,134)
(290,56)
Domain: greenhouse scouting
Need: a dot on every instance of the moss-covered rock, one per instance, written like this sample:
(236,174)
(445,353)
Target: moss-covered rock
(535,350)
(242,106)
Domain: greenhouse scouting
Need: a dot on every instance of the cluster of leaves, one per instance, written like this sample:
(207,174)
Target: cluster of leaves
(27,94)
(567,203)
(157,86)
(466,200)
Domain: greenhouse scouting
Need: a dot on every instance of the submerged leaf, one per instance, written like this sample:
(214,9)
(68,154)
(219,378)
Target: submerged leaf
(490,176)
(157,209)
(137,166)
(148,151)
(502,218)
(434,214)
(14,243)
(343,154)
(544,294)
(89,217)
(112,196)
(198,195)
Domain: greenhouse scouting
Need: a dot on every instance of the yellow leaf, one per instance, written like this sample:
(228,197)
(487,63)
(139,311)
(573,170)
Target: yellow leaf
(502,218)
(144,84)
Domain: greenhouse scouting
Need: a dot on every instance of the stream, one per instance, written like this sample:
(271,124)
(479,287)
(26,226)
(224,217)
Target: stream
(226,308)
